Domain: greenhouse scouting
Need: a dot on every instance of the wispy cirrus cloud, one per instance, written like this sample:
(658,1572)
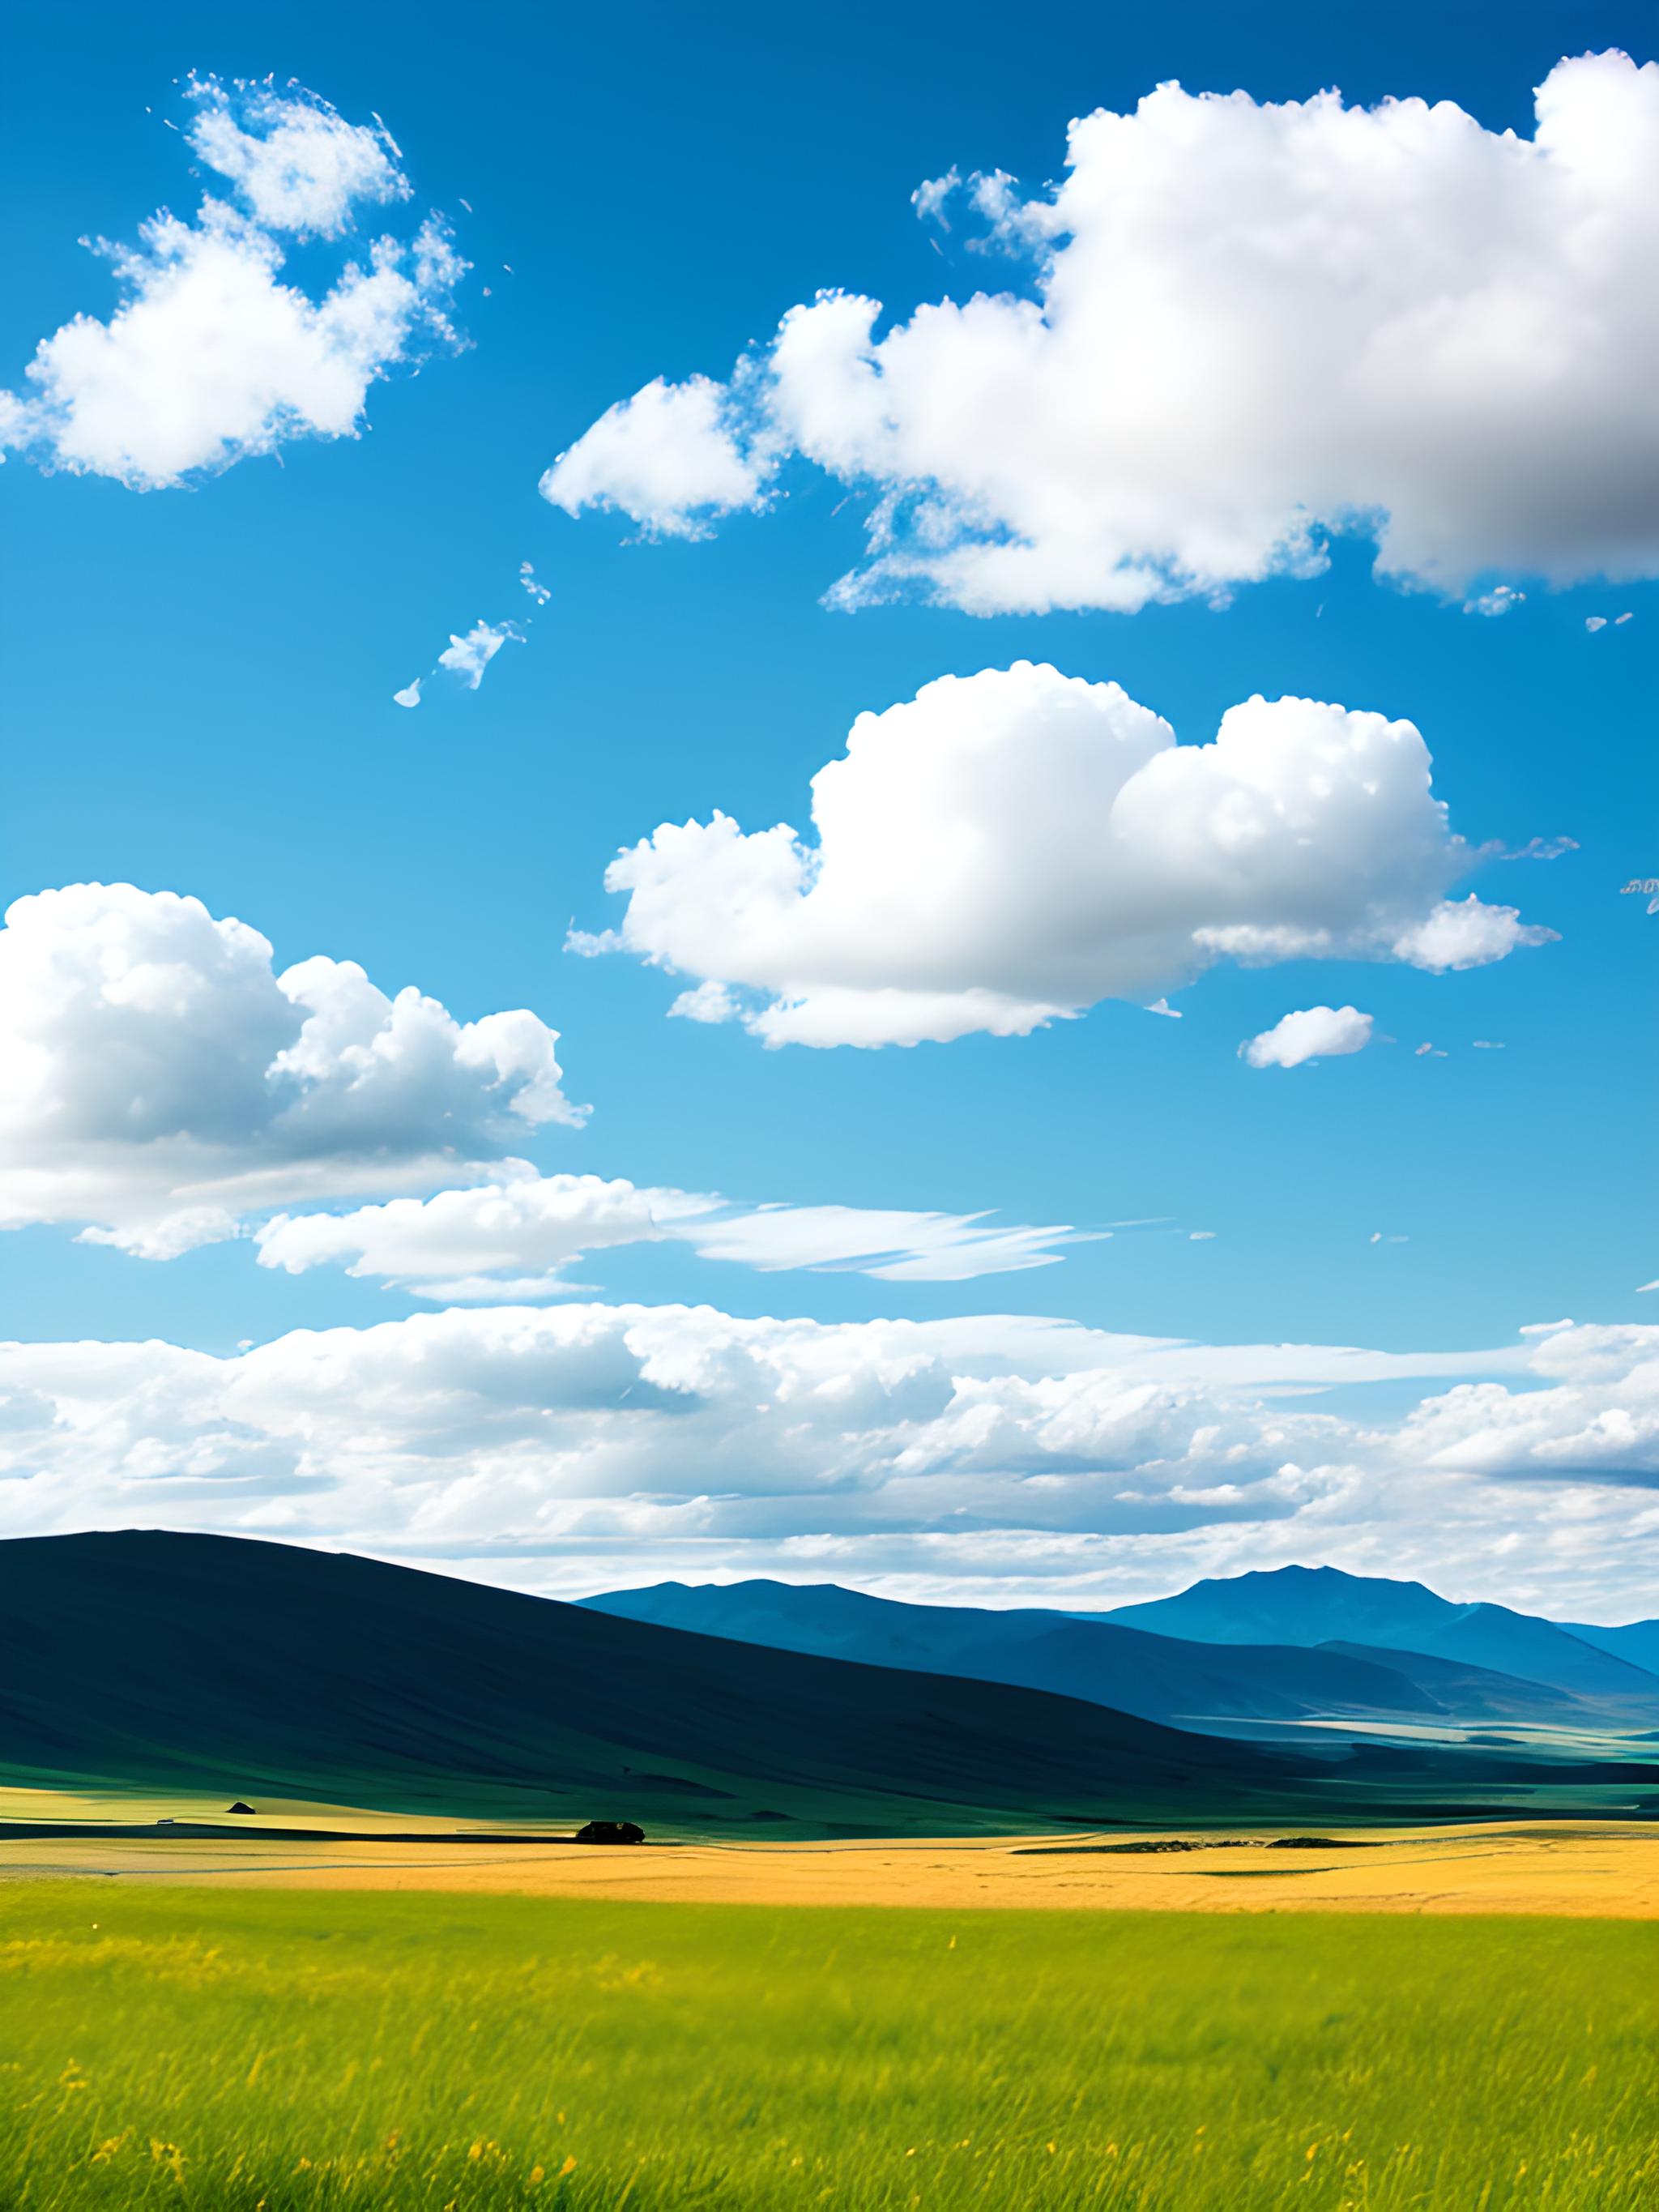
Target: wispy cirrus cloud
(515,1235)
(469,653)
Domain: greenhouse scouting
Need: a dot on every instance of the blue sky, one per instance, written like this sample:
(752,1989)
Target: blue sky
(199,694)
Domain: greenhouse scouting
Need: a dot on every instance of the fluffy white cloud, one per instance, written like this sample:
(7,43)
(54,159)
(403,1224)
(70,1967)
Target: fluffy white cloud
(209,356)
(933,196)
(666,456)
(709,1003)
(160,1081)
(581,1445)
(524,1227)
(1008,847)
(158,1077)
(1464,934)
(1313,1032)
(1248,325)
(513,1235)
(299,165)
(1595,1414)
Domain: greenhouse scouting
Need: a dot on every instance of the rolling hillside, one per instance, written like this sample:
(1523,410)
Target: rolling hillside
(203,1662)
(1162,1677)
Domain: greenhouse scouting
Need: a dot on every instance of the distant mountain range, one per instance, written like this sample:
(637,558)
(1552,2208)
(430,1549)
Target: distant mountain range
(1294,1646)
(1319,1605)
(1638,1641)
(190,1665)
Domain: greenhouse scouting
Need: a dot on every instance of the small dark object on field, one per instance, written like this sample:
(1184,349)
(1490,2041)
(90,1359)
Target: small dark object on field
(1181,1844)
(238,1806)
(611,1831)
(1321,1844)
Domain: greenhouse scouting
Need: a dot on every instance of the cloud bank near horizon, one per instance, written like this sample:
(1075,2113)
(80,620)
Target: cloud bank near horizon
(574,1447)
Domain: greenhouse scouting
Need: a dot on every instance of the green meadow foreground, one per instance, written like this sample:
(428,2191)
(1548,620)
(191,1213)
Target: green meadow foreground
(172,2046)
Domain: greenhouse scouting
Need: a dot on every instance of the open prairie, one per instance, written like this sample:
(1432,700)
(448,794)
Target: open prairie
(1596,1869)
(166,2046)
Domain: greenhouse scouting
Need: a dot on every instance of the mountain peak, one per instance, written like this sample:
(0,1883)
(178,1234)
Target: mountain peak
(1325,1576)
(1319,1605)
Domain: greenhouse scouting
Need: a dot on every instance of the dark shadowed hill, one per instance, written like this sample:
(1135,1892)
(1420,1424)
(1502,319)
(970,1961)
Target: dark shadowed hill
(1161,1678)
(1321,1605)
(205,1662)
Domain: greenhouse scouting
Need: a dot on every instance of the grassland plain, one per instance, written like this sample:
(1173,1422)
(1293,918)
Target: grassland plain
(175,2047)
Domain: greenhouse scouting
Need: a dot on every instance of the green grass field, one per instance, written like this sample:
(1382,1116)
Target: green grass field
(282,2049)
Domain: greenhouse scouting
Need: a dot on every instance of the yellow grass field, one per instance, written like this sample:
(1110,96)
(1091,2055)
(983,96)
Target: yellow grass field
(1580,1869)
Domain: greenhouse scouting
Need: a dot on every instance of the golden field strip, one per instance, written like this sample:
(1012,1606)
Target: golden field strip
(1583,1868)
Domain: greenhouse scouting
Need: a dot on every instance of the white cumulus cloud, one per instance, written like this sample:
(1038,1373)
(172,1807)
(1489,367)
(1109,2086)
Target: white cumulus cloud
(1247,325)
(298,166)
(667,456)
(159,1078)
(1314,1032)
(210,356)
(933,195)
(1008,849)
(708,1002)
